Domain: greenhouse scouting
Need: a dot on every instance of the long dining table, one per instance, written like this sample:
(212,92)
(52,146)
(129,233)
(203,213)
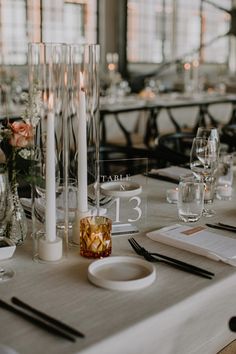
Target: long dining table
(179,313)
(153,107)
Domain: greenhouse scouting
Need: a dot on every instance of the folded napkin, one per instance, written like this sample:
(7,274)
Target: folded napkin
(198,240)
(172,172)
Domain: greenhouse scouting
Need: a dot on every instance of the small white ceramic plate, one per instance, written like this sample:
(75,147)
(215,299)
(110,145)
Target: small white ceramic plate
(7,248)
(121,273)
(121,188)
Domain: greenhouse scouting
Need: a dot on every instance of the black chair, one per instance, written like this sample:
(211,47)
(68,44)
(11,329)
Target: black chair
(228,136)
(175,148)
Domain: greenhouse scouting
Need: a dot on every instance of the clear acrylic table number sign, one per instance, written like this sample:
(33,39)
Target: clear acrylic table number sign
(123,194)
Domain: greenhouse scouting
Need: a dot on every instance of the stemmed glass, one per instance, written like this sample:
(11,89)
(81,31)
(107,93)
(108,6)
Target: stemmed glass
(203,163)
(5,273)
(209,133)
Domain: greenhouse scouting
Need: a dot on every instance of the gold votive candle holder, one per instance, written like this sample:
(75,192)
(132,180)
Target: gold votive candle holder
(95,237)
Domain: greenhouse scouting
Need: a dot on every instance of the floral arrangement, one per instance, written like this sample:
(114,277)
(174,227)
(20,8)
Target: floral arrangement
(16,140)
(17,144)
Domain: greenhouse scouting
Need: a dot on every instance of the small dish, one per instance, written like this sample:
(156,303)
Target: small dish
(121,273)
(7,248)
(121,188)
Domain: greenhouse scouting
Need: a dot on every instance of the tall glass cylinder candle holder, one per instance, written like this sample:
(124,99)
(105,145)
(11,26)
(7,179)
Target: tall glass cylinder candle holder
(83,129)
(47,72)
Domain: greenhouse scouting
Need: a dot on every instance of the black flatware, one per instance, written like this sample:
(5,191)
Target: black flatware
(40,323)
(46,317)
(157,257)
(226,225)
(221,227)
(162,178)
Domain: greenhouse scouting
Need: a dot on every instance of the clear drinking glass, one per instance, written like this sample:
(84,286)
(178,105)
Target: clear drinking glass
(203,163)
(190,198)
(5,273)
(225,170)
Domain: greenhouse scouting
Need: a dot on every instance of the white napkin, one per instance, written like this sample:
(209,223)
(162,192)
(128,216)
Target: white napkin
(172,172)
(198,240)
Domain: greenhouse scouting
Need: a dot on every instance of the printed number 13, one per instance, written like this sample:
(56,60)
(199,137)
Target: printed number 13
(136,207)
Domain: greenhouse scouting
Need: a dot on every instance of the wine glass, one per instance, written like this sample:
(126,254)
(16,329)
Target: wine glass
(209,133)
(5,273)
(203,163)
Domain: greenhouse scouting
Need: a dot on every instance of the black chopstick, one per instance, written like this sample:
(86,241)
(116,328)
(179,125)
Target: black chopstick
(46,317)
(47,326)
(226,225)
(181,263)
(185,269)
(219,227)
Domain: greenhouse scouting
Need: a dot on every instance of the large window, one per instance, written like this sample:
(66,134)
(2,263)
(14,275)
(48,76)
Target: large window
(163,30)
(23,21)
(13,31)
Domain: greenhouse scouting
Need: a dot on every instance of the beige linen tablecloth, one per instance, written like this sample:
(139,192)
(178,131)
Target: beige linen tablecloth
(179,313)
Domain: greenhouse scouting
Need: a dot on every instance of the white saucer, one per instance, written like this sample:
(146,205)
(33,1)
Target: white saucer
(121,273)
(121,188)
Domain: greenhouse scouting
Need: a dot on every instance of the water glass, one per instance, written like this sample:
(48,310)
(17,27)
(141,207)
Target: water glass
(209,182)
(190,198)
(225,170)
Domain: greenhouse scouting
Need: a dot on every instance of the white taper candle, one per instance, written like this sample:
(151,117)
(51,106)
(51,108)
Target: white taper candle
(50,220)
(82,151)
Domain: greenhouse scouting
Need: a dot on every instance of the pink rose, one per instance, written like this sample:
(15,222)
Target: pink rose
(22,134)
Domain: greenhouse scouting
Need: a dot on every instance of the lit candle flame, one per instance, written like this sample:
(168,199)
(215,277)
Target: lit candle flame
(111,67)
(81,81)
(50,102)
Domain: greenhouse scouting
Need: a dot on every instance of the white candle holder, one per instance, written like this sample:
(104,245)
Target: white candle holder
(172,195)
(45,251)
(224,192)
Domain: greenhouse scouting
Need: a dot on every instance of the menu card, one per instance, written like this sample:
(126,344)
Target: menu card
(198,240)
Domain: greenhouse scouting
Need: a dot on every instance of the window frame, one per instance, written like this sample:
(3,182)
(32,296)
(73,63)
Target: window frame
(146,68)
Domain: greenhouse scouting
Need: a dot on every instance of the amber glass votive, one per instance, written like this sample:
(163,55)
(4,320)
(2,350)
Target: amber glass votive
(95,236)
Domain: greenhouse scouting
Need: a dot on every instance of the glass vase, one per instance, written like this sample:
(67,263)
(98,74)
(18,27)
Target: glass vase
(82,155)
(17,224)
(47,87)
